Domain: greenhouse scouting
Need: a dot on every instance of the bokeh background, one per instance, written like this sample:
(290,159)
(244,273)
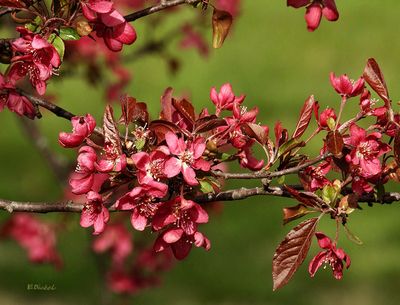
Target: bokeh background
(273,60)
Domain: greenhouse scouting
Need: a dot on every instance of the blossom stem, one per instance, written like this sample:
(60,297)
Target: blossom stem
(263,174)
(344,99)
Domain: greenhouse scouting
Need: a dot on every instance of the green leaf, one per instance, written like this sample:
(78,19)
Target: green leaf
(34,25)
(69,34)
(206,187)
(58,43)
(139,144)
(288,146)
(330,194)
(355,239)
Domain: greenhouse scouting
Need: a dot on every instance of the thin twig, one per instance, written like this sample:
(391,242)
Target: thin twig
(156,8)
(264,174)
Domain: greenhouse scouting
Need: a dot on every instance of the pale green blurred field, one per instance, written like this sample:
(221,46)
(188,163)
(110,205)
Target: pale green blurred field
(273,60)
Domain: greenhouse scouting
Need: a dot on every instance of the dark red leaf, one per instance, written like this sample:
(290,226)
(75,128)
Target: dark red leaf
(306,198)
(256,132)
(295,212)
(291,252)
(111,134)
(374,77)
(208,123)
(305,117)
(161,127)
(13,3)
(166,105)
(334,143)
(221,23)
(185,108)
(133,111)
(396,146)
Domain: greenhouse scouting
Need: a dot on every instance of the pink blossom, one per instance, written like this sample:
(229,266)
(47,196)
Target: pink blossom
(120,281)
(345,87)
(225,99)
(193,39)
(83,181)
(36,57)
(187,158)
(151,167)
(142,202)
(180,242)
(36,237)
(94,213)
(231,6)
(111,164)
(117,239)
(314,178)
(109,23)
(247,160)
(179,213)
(82,127)
(331,255)
(315,10)
(234,125)
(15,102)
(328,113)
(366,150)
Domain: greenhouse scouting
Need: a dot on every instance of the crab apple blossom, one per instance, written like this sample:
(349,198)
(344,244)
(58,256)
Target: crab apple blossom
(35,57)
(109,24)
(83,181)
(82,127)
(366,150)
(151,167)
(117,239)
(36,237)
(193,39)
(180,213)
(187,157)
(94,213)
(231,6)
(330,255)
(142,201)
(325,116)
(180,242)
(15,102)
(314,177)
(225,99)
(315,10)
(345,87)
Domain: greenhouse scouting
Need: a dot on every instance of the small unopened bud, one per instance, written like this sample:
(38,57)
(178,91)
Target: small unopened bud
(83,27)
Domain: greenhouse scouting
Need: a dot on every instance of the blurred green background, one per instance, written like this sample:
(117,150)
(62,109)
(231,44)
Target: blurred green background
(273,60)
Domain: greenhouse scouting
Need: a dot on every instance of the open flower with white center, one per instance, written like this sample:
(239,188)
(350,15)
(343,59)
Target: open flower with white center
(187,157)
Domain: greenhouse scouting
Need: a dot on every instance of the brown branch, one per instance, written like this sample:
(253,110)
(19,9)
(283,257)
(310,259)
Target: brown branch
(230,195)
(263,174)
(156,8)
(58,111)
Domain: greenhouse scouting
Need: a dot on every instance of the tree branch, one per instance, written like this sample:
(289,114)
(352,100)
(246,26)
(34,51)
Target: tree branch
(264,174)
(230,195)
(156,8)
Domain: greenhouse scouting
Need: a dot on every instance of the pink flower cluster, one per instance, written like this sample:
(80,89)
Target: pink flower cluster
(315,9)
(35,57)
(36,237)
(109,24)
(158,172)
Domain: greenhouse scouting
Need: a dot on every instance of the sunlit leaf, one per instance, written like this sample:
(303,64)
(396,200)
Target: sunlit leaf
(291,252)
